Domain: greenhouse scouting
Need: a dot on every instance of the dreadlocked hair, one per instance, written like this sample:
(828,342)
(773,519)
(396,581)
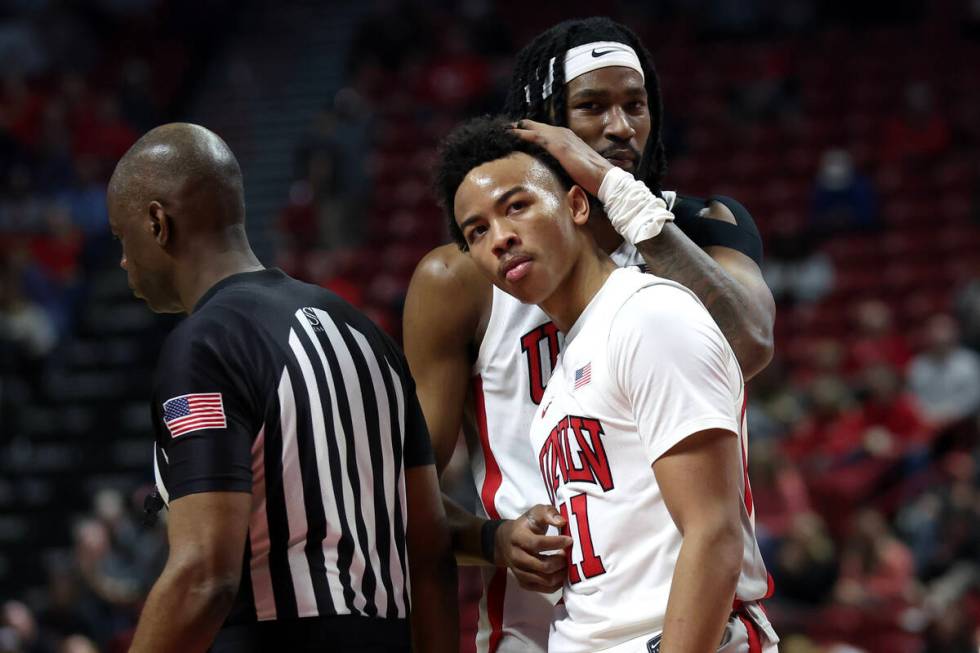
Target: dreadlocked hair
(472,144)
(525,95)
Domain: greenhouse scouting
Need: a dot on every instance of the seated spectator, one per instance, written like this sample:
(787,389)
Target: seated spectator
(942,525)
(85,197)
(778,492)
(893,423)
(877,340)
(58,249)
(828,431)
(920,132)
(19,618)
(843,200)
(877,572)
(23,109)
(108,137)
(945,378)
(27,335)
(456,75)
(806,564)
(796,270)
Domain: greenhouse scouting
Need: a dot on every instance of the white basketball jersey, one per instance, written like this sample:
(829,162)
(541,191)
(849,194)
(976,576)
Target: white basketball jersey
(512,368)
(644,367)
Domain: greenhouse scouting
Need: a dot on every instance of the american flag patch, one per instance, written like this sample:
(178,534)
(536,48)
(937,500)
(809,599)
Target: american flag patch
(194,412)
(583,375)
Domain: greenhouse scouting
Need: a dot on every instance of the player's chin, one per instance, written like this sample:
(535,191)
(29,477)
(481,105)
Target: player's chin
(514,291)
(524,291)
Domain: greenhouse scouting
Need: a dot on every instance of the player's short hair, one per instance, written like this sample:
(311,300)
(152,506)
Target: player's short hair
(525,94)
(472,144)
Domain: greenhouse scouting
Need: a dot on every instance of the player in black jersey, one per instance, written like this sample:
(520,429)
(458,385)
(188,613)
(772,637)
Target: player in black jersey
(290,446)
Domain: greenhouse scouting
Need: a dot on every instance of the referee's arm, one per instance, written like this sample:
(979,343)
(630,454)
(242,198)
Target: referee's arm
(432,566)
(192,597)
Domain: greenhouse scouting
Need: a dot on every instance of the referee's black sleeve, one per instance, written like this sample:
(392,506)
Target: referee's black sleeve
(418,446)
(201,455)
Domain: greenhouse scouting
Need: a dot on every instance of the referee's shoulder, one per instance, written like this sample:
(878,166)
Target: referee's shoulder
(198,328)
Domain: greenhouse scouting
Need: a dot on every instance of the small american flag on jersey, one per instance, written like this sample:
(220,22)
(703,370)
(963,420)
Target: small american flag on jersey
(194,412)
(583,375)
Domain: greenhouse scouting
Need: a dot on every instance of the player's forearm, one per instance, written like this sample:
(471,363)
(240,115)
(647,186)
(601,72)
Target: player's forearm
(702,590)
(435,604)
(744,322)
(183,612)
(465,531)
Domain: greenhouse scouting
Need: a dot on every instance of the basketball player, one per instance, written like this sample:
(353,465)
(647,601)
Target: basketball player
(482,359)
(290,447)
(644,379)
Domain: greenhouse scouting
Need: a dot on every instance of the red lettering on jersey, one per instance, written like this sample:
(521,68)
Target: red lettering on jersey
(551,460)
(585,461)
(573,575)
(531,346)
(594,453)
(591,563)
(560,464)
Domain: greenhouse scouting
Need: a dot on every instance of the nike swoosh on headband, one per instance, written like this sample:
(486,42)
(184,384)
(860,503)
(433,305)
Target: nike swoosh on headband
(596,53)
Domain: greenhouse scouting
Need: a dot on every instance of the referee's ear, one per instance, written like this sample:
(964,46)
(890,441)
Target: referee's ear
(159,223)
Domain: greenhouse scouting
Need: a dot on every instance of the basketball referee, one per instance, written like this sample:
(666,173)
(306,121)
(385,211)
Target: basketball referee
(290,447)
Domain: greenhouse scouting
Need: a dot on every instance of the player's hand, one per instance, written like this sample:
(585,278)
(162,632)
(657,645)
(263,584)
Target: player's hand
(519,544)
(585,166)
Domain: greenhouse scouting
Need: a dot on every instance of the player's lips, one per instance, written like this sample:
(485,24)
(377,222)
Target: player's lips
(620,158)
(515,268)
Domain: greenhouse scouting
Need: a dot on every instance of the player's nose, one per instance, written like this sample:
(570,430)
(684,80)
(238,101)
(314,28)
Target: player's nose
(504,237)
(618,125)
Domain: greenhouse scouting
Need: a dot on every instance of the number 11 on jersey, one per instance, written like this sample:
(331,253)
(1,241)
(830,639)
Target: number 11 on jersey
(590,564)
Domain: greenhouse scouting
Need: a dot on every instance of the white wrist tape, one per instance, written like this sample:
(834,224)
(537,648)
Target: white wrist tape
(632,208)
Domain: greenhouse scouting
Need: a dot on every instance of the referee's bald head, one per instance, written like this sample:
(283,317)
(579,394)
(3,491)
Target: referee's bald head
(175,201)
(185,167)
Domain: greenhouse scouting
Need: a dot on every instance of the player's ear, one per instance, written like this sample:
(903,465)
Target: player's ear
(159,223)
(578,202)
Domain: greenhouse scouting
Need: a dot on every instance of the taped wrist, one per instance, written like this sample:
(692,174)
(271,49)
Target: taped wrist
(488,536)
(634,211)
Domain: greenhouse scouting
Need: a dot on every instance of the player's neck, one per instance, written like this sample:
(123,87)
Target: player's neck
(208,268)
(583,281)
(604,233)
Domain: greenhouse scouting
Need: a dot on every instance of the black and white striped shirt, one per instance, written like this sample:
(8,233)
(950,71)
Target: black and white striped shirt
(281,389)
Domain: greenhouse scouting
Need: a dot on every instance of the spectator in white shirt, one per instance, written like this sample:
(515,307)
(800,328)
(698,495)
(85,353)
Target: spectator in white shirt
(945,377)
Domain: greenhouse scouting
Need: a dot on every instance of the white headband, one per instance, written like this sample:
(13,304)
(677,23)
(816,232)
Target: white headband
(588,57)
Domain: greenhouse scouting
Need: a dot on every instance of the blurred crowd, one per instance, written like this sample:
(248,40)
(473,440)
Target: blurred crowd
(865,454)
(92,595)
(79,82)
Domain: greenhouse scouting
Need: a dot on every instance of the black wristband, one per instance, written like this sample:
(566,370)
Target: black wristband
(488,535)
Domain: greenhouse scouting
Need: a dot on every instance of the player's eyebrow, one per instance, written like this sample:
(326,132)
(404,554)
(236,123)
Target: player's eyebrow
(497,202)
(602,94)
(589,94)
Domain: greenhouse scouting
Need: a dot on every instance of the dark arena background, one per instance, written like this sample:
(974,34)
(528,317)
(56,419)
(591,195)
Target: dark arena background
(851,132)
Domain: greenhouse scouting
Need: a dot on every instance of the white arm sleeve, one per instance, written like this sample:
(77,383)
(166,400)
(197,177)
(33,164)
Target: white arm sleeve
(674,367)
(632,208)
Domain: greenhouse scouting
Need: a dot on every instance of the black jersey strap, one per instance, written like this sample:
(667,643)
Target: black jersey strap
(707,232)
